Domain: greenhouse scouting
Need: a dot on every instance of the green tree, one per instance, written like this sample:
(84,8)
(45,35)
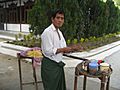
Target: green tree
(96,16)
(93,12)
(41,13)
(38,17)
(83,18)
(112,16)
(117,2)
(73,19)
(118,24)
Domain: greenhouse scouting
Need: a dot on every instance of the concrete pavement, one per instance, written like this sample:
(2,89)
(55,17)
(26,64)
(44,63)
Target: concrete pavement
(114,60)
(9,78)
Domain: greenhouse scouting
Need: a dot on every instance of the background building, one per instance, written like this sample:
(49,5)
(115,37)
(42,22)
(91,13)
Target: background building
(14,13)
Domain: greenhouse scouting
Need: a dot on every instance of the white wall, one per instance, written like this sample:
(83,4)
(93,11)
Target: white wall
(16,27)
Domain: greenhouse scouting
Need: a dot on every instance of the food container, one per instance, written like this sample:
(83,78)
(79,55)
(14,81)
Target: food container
(93,67)
(104,66)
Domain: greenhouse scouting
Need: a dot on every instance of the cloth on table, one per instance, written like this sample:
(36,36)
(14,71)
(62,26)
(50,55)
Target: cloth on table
(34,53)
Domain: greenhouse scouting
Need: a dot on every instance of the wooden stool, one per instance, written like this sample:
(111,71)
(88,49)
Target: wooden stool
(104,77)
(20,73)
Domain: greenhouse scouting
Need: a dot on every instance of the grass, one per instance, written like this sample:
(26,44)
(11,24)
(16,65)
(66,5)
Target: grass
(89,45)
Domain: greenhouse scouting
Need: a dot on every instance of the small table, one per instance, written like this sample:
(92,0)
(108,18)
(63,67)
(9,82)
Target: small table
(103,76)
(19,56)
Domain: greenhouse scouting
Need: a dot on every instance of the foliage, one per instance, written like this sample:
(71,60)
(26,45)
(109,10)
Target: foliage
(117,2)
(68,41)
(118,24)
(86,43)
(29,40)
(83,18)
(38,17)
(75,41)
(112,17)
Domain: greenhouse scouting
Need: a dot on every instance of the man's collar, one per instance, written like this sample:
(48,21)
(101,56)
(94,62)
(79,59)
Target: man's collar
(53,27)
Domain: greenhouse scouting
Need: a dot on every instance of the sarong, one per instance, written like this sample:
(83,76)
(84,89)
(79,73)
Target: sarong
(52,74)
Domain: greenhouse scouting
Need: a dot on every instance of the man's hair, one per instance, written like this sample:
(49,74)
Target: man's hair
(57,11)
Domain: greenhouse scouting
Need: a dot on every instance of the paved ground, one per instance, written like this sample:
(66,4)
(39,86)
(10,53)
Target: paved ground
(114,60)
(9,78)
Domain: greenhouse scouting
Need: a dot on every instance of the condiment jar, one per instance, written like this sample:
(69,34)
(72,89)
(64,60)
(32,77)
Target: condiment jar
(93,67)
(104,66)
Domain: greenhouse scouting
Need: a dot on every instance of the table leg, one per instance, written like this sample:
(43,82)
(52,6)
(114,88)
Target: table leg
(103,81)
(75,83)
(108,82)
(20,73)
(84,82)
(34,75)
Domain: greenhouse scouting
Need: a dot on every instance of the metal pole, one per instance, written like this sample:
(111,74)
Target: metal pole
(20,16)
(6,15)
(20,72)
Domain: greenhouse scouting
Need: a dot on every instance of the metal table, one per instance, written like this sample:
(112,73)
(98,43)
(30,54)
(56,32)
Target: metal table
(19,56)
(103,76)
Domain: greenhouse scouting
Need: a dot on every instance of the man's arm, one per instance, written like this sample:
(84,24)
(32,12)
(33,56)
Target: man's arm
(69,49)
(64,50)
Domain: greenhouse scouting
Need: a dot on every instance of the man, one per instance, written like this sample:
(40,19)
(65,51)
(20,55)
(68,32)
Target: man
(53,46)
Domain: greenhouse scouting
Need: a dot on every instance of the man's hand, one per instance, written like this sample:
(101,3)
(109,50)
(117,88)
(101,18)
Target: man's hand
(77,48)
(64,50)
(72,48)
(67,50)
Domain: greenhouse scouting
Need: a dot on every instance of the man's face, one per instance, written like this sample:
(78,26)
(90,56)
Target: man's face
(58,20)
